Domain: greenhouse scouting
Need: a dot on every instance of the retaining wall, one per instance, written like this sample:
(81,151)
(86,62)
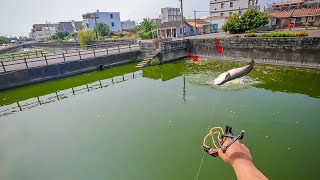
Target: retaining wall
(38,74)
(302,52)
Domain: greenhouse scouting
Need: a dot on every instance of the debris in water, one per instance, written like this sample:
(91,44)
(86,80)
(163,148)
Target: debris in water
(267,137)
(4,99)
(98,116)
(288,148)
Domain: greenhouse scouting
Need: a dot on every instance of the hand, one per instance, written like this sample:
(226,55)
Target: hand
(236,152)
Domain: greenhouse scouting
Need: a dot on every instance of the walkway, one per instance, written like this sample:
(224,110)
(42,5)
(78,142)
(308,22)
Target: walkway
(13,65)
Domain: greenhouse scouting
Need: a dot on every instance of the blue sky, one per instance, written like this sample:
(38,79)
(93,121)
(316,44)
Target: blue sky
(17,16)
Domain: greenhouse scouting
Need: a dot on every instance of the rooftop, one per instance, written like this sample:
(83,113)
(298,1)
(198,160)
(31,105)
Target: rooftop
(296,13)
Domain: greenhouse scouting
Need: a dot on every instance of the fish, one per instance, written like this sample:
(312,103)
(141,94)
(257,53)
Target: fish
(234,74)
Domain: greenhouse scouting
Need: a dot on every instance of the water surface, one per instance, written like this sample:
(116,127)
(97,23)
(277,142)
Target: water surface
(125,123)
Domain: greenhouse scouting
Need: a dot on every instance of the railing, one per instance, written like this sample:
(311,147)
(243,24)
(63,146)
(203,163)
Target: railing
(63,57)
(60,95)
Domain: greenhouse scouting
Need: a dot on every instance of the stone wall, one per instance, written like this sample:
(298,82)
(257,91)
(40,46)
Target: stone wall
(283,51)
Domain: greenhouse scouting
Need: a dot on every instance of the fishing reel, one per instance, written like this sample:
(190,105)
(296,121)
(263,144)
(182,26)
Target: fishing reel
(221,139)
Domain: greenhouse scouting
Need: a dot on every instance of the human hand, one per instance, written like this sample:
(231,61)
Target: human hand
(237,152)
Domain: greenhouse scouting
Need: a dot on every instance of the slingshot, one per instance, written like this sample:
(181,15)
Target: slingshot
(217,131)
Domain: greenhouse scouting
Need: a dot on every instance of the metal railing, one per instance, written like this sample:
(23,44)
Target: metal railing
(63,57)
(60,95)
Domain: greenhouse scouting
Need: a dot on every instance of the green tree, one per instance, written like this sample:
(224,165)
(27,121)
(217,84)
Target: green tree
(145,29)
(233,25)
(250,19)
(4,40)
(102,29)
(62,35)
(84,37)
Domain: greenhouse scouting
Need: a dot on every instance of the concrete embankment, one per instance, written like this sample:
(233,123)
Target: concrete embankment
(54,71)
(299,52)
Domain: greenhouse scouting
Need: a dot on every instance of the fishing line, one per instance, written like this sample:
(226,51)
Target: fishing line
(209,125)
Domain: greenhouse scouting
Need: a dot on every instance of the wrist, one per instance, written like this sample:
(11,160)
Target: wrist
(241,162)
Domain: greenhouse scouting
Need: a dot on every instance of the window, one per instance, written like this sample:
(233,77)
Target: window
(231,4)
(222,4)
(304,19)
(180,30)
(293,20)
(298,20)
(111,16)
(112,24)
(221,14)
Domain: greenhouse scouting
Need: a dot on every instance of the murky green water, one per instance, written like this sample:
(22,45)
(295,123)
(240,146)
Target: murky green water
(150,124)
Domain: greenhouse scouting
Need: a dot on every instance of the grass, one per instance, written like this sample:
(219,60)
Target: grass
(279,34)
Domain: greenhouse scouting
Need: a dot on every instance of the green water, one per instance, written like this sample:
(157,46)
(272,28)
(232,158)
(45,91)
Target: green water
(150,124)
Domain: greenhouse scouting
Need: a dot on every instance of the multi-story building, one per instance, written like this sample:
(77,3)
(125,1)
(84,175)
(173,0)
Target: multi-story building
(170,14)
(128,25)
(112,19)
(43,32)
(293,4)
(157,21)
(228,7)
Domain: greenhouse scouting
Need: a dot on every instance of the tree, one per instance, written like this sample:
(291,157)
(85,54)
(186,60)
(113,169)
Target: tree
(250,19)
(233,25)
(85,37)
(62,35)
(145,29)
(102,29)
(4,40)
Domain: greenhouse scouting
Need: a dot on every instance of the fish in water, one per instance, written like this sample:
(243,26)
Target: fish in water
(234,74)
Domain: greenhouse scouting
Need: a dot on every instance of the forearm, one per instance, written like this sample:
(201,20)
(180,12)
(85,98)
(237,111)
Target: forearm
(246,170)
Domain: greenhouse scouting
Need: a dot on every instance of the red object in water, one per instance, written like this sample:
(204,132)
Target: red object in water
(219,48)
(195,58)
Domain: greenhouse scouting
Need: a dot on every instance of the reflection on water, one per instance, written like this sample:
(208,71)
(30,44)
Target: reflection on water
(60,95)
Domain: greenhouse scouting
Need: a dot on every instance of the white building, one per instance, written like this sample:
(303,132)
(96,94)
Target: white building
(228,7)
(112,19)
(128,25)
(170,14)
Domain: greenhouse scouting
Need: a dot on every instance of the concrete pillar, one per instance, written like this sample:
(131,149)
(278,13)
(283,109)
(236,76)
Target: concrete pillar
(171,33)
(166,33)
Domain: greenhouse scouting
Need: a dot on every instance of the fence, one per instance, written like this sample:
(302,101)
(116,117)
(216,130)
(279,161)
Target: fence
(60,95)
(63,57)
(58,48)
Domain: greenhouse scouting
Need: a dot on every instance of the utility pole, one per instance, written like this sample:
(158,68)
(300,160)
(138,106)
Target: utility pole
(182,20)
(95,25)
(195,22)
(48,31)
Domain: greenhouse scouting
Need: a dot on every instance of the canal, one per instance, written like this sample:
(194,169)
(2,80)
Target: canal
(127,123)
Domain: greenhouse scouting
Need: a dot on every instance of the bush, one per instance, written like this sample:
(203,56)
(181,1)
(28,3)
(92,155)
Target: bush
(248,31)
(251,35)
(114,37)
(137,59)
(250,19)
(154,62)
(284,34)
(85,37)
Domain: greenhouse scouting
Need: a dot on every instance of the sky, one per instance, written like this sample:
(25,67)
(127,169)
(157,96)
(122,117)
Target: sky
(18,16)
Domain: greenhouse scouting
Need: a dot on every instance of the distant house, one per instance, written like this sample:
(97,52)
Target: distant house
(70,26)
(112,19)
(201,26)
(157,21)
(170,14)
(128,25)
(296,17)
(173,29)
(43,32)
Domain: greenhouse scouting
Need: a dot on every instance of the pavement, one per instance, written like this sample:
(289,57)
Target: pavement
(55,59)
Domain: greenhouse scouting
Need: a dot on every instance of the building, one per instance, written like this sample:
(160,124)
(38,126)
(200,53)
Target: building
(200,26)
(173,29)
(128,25)
(157,21)
(228,7)
(295,17)
(291,5)
(43,32)
(218,20)
(112,19)
(170,14)
(70,26)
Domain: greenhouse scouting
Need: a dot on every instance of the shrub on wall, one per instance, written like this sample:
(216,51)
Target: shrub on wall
(85,37)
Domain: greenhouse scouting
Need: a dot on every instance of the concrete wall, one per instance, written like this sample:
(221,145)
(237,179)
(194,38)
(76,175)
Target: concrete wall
(38,74)
(283,51)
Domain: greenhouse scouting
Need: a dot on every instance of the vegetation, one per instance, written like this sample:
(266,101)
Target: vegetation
(306,24)
(250,19)
(85,37)
(62,35)
(155,61)
(279,34)
(146,29)
(137,59)
(102,29)
(4,40)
